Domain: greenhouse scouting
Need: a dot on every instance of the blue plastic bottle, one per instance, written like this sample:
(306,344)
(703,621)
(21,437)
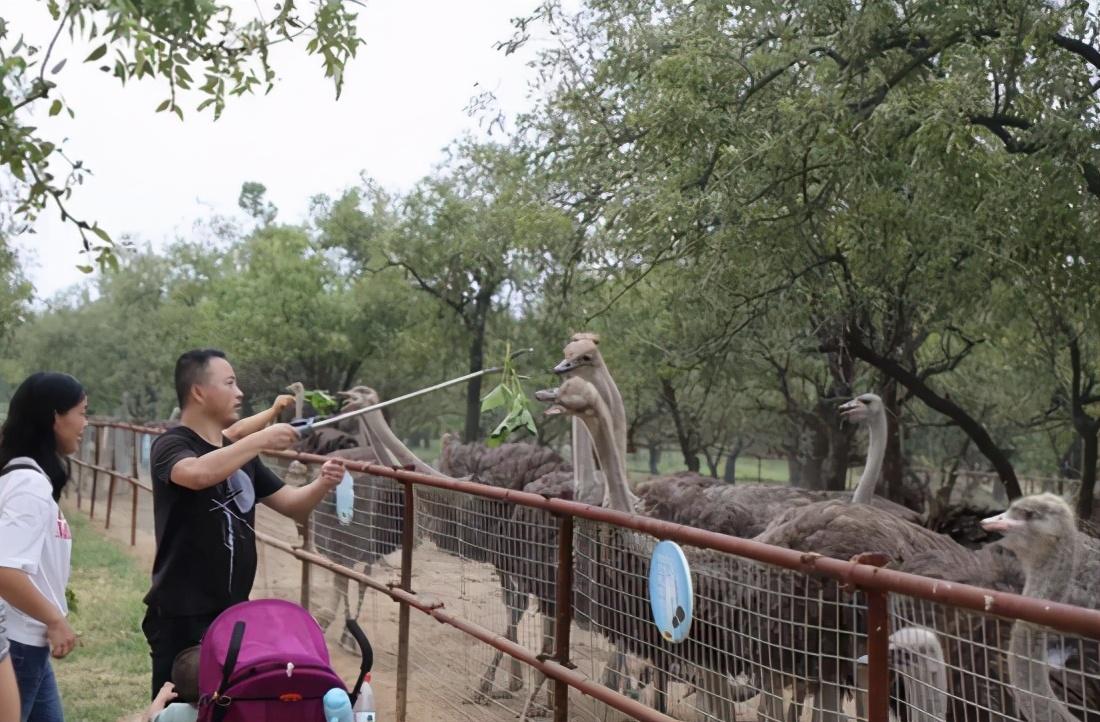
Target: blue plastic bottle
(337,706)
(345,499)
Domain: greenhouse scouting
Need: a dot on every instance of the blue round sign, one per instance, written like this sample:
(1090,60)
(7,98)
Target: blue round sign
(670,593)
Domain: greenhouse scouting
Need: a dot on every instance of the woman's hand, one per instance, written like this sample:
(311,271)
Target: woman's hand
(61,637)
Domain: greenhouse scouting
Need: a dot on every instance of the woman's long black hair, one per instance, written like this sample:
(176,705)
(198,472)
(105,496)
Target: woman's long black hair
(28,430)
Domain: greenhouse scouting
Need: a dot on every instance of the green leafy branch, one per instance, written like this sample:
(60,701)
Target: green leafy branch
(509,395)
(322,402)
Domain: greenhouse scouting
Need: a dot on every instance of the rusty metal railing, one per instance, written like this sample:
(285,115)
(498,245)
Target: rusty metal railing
(878,587)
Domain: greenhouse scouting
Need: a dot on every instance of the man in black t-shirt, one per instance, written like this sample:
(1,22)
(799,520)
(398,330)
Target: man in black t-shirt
(205,490)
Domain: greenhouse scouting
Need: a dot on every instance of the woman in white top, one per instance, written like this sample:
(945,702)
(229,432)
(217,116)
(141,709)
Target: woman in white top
(46,418)
(9,691)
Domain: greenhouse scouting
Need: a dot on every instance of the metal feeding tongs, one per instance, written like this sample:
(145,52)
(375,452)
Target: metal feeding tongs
(305,426)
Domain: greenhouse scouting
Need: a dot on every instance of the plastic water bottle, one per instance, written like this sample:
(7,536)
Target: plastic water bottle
(364,706)
(345,498)
(338,706)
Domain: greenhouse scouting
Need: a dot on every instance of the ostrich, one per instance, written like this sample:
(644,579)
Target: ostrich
(919,676)
(842,531)
(322,441)
(618,566)
(835,528)
(477,529)
(377,516)
(687,498)
(1060,564)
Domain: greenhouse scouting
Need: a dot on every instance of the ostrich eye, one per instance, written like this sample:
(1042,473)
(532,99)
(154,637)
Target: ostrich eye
(865,402)
(586,357)
(1027,514)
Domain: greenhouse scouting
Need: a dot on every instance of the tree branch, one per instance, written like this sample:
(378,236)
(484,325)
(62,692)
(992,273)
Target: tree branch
(1078,47)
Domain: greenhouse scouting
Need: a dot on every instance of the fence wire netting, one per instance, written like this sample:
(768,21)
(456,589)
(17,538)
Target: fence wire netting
(766,643)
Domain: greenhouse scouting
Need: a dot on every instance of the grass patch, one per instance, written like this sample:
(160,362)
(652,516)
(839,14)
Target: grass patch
(107,677)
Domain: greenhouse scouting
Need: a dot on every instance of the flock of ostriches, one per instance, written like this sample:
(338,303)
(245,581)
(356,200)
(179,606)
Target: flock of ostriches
(782,635)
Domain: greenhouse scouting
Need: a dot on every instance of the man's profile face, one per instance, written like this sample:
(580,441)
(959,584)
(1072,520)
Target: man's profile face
(219,394)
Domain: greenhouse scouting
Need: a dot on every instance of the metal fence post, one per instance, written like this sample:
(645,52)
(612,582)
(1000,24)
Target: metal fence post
(878,656)
(307,544)
(111,482)
(563,613)
(408,537)
(95,471)
(134,491)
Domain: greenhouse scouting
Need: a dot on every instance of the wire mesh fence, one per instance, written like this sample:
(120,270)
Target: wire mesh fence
(957,664)
(767,642)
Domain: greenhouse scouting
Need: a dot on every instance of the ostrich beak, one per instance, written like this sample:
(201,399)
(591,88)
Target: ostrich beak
(547,396)
(1001,523)
(564,366)
(847,409)
(554,410)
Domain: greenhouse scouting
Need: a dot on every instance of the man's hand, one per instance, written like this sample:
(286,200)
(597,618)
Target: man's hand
(332,473)
(61,637)
(281,402)
(278,437)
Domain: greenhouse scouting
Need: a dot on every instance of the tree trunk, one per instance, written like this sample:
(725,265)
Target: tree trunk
(477,362)
(812,467)
(840,449)
(683,435)
(349,375)
(794,469)
(712,462)
(1088,471)
(1086,427)
(944,405)
(654,459)
(893,473)
(730,476)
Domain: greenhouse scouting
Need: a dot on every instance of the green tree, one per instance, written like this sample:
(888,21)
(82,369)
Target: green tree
(471,237)
(200,49)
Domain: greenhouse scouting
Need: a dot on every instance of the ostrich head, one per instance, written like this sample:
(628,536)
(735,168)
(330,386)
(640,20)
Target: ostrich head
(299,392)
(862,408)
(575,396)
(297,473)
(1034,526)
(580,355)
(918,664)
(358,397)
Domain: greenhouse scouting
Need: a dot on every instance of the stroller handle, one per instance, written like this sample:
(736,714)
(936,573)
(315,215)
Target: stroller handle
(365,650)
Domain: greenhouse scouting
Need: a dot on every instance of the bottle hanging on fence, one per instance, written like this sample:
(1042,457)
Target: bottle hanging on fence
(337,706)
(345,499)
(364,706)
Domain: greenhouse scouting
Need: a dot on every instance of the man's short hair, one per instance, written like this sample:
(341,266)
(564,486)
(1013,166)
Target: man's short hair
(191,370)
(185,675)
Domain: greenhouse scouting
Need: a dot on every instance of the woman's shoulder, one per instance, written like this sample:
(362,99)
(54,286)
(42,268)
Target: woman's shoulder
(31,481)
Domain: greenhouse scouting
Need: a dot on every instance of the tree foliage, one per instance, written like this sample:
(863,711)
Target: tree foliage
(198,49)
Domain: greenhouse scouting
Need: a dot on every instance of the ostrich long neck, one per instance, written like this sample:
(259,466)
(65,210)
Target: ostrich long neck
(613,459)
(927,693)
(1030,676)
(590,485)
(609,390)
(1049,576)
(872,469)
(380,430)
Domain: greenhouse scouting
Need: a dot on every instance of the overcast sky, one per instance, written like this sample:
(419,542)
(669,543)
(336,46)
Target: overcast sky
(403,101)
